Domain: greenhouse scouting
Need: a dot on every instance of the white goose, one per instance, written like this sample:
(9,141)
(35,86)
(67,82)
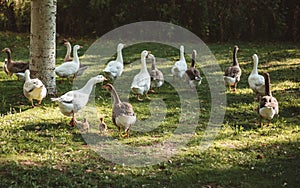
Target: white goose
(157,77)
(68,58)
(69,68)
(71,102)
(180,66)
(141,82)
(268,106)
(34,89)
(255,80)
(115,68)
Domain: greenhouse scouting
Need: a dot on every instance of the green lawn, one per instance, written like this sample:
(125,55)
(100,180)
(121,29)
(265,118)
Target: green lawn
(39,149)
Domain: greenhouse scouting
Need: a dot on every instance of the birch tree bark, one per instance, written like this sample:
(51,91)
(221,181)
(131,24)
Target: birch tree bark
(43,43)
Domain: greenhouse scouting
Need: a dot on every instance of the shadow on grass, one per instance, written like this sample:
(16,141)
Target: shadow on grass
(277,166)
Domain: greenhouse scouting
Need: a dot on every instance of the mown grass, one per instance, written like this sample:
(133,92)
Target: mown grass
(39,149)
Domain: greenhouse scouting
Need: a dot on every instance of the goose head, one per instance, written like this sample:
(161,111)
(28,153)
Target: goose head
(108,87)
(145,54)
(27,73)
(255,58)
(151,56)
(7,50)
(236,48)
(120,46)
(194,54)
(99,79)
(77,47)
(65,42)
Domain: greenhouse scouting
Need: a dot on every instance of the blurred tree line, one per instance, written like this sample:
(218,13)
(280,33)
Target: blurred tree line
(211,20)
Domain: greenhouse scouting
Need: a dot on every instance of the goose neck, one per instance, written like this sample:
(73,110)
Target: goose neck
(267,85)
(193,60)
(235,61)
(8,56)
(27,76)
(144,66)
(153,65)
(87,88)
(115,96)
(69,49)
(119,55)
(182,55)
(75,55)
(255,65)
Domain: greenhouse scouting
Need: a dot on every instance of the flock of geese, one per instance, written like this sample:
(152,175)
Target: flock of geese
(123,115)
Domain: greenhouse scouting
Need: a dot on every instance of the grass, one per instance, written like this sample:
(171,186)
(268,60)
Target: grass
(39,149)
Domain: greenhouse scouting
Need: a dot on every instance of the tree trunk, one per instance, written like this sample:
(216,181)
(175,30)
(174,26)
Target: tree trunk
(43,43)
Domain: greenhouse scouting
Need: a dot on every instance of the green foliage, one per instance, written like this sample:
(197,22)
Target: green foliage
(39,149)
(216,20)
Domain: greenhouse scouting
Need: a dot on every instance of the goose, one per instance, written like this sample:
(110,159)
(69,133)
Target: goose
(114,68)
(233,73)
(83,126)
(255,80)
(34,89)
(193,74)
(102,125)
(141,82)
(20,75)
(122,112)
(180,66)
(69,50)
(268,106)
(157,77)
(69,68)
(68,58)
(14,66)
(71,102)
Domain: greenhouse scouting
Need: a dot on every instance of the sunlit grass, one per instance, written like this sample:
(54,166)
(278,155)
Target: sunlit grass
(38,143)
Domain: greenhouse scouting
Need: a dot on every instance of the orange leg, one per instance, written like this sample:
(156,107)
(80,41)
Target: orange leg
(73,121)
(40,101)
(234,89)
(147,97)
(32,105)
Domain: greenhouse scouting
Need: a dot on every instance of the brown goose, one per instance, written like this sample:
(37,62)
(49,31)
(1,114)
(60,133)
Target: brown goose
(157,77)
(268,106)
(83,126)
(14,66)
(122,112)
(193,74)
(69,50)
(233,73)
(102,125)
